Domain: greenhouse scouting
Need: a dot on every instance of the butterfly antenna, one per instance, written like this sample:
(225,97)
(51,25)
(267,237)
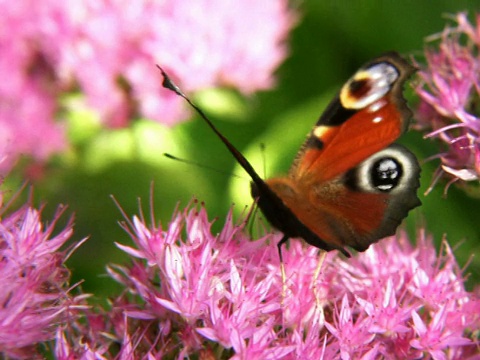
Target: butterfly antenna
(169,84)
(201,165)
(264,158)
(252,218)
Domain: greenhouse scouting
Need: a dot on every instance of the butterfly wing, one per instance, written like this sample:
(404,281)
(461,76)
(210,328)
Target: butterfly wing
(349,185)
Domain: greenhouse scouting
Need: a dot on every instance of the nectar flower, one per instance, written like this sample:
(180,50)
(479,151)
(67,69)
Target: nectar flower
(34,292)
(449,90)
(224,294)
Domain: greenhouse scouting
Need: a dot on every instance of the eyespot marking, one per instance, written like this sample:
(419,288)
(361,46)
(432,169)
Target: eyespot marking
(385,174)
(388,171)
(368,86)
(359,88)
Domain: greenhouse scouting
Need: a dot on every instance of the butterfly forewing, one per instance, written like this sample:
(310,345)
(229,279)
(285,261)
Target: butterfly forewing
(352,128)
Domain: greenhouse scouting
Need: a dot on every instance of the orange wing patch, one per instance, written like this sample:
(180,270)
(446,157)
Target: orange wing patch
(347,145)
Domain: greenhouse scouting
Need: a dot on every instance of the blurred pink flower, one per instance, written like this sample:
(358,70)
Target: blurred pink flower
(35,292)
(29,88)
(108,51)
(449,89)
(223,293)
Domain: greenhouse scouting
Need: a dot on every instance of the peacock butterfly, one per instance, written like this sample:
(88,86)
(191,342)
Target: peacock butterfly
(349,185)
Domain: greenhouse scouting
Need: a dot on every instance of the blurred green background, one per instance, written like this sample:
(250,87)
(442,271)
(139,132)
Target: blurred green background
(332,39)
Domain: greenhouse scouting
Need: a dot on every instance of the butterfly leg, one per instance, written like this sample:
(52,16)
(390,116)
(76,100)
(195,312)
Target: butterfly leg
(251,216)
(282,267)
(316,274)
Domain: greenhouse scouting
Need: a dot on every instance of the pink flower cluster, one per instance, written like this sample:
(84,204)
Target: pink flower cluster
(34,293)
(449,91)
(189,293)
(192,293)
(108,51)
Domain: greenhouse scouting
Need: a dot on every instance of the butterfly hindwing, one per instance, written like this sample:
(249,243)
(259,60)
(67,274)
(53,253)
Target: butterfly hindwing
(370,201)
(391,174)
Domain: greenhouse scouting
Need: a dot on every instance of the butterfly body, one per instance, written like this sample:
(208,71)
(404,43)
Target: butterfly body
(349,185)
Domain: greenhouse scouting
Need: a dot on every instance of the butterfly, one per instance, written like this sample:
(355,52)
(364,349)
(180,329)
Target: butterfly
(350,185)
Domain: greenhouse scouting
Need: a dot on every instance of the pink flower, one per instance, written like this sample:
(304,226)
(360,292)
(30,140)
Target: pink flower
(436,337)
(108,51)
(29,88)
(448,89)
(352,336)
(34,293)
(226,292)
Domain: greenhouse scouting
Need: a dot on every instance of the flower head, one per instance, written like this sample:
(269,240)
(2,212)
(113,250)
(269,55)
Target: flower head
(34,294)
(226,293)
(108,51)
(449,90)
